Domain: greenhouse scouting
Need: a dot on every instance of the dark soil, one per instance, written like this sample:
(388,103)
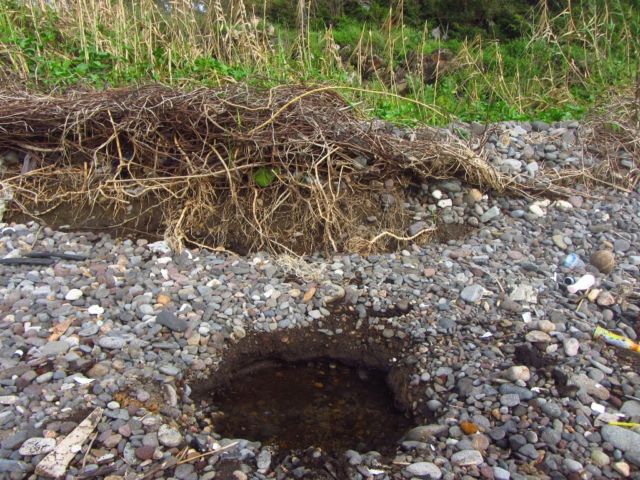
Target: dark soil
(319,403)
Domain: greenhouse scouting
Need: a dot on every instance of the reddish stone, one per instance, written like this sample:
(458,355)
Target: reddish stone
(145,452)
(487,472)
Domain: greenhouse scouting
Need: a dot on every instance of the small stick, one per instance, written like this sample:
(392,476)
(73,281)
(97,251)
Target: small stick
(386,233)
(183,452)
(35,238)
(84,458)
(207,454)
(163,466)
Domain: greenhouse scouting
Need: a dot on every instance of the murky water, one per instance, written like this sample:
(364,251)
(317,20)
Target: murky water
(320,404)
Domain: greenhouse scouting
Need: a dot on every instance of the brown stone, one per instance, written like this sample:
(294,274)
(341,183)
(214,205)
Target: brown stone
(145,452)
(469,427)
(603,260)
(112,440)
(474,196)
(622,468)
(515,255)
(487,472)
(605,299)
(480,442)
(98,370)
(576,201)
(163,299)
(429,272)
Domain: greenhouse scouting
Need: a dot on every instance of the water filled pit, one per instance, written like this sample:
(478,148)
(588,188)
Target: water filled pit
(321,403)
(302,389)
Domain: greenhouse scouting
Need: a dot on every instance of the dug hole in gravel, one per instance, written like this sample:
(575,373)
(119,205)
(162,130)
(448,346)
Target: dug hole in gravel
(116,353)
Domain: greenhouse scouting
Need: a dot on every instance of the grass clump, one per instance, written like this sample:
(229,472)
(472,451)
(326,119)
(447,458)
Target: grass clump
(556,69)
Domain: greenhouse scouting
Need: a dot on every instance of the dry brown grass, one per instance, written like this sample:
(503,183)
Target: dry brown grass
(189,161)
(610,135)
(613,134)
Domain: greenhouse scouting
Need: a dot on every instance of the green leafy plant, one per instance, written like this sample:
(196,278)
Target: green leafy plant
(264,177)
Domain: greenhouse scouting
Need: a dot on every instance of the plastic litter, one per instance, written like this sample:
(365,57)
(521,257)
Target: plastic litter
(616,340)
(572,260)
(583,283)
(625,424)
(606,418)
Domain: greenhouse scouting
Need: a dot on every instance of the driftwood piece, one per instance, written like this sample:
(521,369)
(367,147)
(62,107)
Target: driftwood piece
(61,256)
(27,261)
(41,258)
(55,464)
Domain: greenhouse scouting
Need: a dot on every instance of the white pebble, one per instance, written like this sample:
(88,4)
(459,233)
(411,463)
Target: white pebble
(73,294)
(37,446)
(95,310)
(571,347)
(518,372)
(537,210)
(563,205)
(8,399)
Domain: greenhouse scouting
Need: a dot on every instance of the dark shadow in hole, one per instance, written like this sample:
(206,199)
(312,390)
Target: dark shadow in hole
(319,403)
(364,365)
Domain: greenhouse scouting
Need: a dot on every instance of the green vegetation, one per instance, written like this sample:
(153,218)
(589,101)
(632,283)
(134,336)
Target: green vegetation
(557,68)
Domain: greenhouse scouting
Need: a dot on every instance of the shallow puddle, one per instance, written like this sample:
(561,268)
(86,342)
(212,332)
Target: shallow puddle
(309,404)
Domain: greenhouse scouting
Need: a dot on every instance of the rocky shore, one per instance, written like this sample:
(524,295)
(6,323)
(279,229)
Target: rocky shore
(500,355)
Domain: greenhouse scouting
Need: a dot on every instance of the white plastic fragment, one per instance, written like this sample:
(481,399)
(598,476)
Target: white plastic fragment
(54,465)
(585,282)
(82,380)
